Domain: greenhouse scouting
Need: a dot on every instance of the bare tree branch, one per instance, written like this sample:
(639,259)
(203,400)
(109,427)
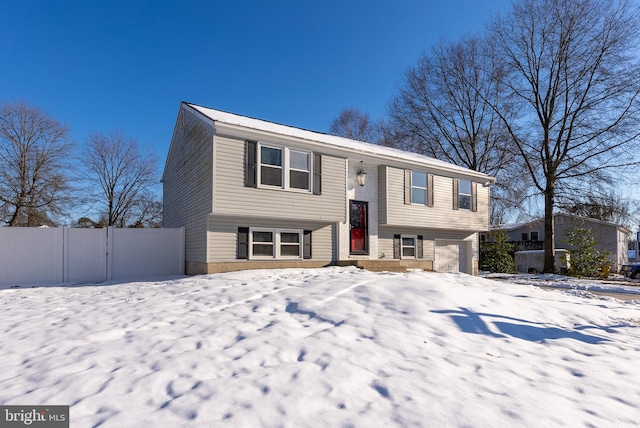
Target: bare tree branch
(573,67)
(121,174)
(35,185)
(444,110)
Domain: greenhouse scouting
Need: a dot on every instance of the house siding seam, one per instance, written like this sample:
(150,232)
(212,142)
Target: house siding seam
(223,237)
(441,215)
(382,194)
(187,192)
(429,237)
(206,191)
(606,234)
(232,197)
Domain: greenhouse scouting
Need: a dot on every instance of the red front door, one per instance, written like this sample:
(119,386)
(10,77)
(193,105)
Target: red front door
(359,231)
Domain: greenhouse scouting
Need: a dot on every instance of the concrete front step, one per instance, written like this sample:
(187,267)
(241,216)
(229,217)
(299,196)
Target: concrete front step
(388,265)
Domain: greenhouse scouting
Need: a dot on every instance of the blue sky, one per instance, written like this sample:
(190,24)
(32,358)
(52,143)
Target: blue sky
(104,65)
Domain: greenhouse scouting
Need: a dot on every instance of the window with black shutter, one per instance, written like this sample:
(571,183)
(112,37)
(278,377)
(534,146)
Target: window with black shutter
(243,243)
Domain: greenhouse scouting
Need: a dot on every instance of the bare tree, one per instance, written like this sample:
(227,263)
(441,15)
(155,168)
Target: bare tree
(146,211)
(444,109)
(121,173)
(573,67)
(356,125)
(601,205)
(35,186)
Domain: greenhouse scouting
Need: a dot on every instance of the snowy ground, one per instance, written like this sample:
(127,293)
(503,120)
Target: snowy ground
(324,348)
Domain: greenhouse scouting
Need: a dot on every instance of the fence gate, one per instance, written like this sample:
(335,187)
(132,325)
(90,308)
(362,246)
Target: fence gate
(68,255)
(86,255)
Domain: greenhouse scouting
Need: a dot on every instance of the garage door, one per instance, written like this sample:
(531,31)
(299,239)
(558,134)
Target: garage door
(451,256)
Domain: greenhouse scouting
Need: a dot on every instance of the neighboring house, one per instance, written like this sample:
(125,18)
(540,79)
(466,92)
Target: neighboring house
(611,237)
(253,194)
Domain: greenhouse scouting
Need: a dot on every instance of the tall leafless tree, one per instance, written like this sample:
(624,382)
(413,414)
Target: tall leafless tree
(573,67)
(602,205)
(356,125)
(35,186)
(121,172)
(444,109)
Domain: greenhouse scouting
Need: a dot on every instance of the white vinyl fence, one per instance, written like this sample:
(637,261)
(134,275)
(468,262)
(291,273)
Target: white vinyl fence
(532,261)
(67,255)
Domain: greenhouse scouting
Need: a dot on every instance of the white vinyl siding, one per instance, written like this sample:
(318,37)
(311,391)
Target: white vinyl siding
(382,194)
(395,212)
(187,191)
(429,239)
(231,197)
(223,235)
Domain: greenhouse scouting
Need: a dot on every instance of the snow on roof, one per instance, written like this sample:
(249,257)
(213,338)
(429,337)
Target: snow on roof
(330,140)
(509,226)
(512,226)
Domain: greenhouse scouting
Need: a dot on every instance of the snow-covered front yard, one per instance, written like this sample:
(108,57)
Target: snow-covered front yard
(326,347)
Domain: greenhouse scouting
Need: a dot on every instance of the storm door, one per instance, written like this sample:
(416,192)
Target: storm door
(359,227)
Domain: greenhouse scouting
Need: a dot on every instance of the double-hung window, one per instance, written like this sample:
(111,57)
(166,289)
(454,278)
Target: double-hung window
(285,168)
(275,243)
(464,195)
(262,243)
(290,244)
(271,166)
(408,247)
(299,170)
(419,188)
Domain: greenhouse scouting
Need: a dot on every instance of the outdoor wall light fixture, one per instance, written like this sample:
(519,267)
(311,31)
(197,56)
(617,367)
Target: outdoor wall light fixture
(362,176)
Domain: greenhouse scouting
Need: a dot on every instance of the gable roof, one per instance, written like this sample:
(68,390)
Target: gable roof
(334,141)
(514,226)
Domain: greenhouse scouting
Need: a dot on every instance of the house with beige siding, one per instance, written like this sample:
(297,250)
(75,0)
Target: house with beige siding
(253,194)
(611,238)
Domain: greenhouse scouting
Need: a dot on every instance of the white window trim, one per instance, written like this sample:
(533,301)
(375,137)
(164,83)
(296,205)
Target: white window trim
(276,243)
(286,168)
(426,188)
(531,232)
(415,246)
(260,165)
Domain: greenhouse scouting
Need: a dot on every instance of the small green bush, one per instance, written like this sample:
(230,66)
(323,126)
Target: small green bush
(585,259)
(496,253)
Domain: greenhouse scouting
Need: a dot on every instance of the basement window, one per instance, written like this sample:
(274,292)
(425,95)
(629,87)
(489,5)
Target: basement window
(275,244)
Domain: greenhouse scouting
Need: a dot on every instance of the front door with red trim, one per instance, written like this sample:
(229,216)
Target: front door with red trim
(359,231)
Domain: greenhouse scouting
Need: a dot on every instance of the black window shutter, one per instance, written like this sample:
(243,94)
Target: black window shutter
(474,196)
(243,243)
(396,246)
(419,251)
(306,245)
(407,187)
(430,190)
(317,174)
(456,190)
(250,156)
